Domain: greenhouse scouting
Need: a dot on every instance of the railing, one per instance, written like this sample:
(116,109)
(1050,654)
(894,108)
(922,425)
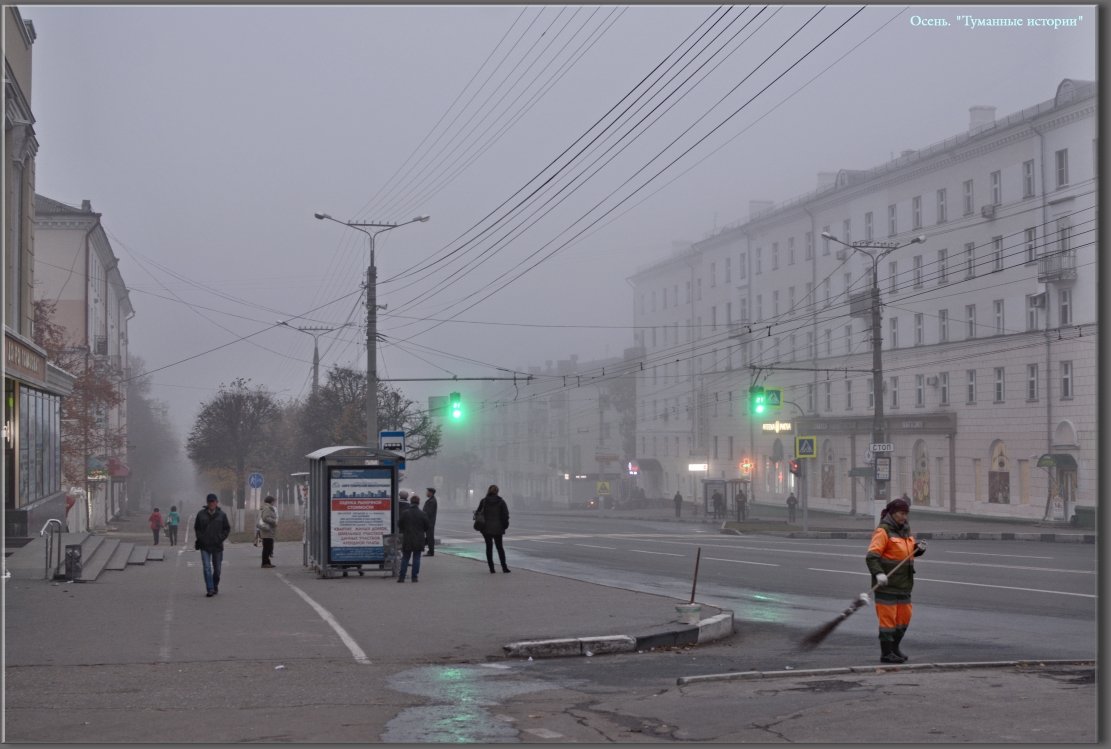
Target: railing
(56,528)
(1058,266)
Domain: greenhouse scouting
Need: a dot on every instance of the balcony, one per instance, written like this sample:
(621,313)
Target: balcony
(1058,266)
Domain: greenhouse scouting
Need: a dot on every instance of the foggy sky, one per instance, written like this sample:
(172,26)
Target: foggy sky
(208,136)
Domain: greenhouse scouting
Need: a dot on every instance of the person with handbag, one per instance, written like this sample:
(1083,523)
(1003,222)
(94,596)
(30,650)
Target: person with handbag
(267,530)
(491,519)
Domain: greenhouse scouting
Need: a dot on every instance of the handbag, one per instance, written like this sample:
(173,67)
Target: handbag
(480,519)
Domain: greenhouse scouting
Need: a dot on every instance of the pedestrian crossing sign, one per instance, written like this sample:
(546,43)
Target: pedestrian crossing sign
(806,447)
(603,487)
(773,397)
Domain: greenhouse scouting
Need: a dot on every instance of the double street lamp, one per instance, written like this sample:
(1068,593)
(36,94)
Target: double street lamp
(371,319)
(876,251)
(315,332)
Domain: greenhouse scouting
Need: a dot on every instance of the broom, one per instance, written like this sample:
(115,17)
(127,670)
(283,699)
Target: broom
(815,638)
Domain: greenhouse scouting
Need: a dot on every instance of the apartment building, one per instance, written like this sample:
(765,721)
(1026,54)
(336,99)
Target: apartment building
(989,329)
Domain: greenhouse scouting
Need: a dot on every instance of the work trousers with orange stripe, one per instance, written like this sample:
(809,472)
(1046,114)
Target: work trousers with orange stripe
(894,612)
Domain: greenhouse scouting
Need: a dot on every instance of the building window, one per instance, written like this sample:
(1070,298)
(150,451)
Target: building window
(847,231)
(664,297)
(1000,385)
(848,339)
(970,260)
(742,266)
(829,342)
(996,188)
(1064,234)
(919,329)
(791,347)
(919,390)
(810,398)
(848,279)
(775,303)
(916,212)
(943,380)
(1062,161)
(825,240)
(811,346)
(892,224)
(1031,245)
(893,276)
(827,388)
(759,307)
(942,210)
(825,290)
(1066,379)
(1031,382)
(759,260)
(868,226)
(848,395)
(653,301)
(790,250)
(894,392)
(809,245)
(971,375)
(713,275)
(1028,179)
(775,255)
(729,270)
(729,313)
(871,393)
(997,308)
(790,298)
(698,289)
(968,198)
(970,316)
(943,325)
(942,267)
(996,254)
(893,324)
(1032,301)
(688,292)
(918,271)
(1064,307)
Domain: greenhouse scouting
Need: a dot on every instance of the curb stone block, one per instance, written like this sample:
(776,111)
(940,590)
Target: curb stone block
(715,627)
(544,648)
(609,644)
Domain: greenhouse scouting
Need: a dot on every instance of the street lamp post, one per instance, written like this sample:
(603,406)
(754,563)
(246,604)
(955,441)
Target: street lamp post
(371,320)
(315,333)
(881,250)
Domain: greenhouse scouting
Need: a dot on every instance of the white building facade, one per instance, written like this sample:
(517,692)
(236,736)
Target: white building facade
(989,329)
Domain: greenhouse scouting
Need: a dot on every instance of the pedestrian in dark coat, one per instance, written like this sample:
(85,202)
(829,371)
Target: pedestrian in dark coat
(210,529)
(413,527)
(678,504)
(792,506)
(496,512)
(430,513)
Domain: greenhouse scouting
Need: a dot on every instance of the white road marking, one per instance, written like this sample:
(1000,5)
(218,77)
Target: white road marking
(356,651)
(544,733)
(661,553)
(592,546)
(495,665)
(740,561)
(540,541)
(978,585)
(986,554)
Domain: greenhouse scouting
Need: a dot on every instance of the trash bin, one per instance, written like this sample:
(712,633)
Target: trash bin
(1084,517)
(391,544)
(73,561)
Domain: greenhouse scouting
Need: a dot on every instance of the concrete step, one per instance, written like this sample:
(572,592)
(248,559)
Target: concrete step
(89,544)
(120,557)
(93,565)
(138,555)
(155,555)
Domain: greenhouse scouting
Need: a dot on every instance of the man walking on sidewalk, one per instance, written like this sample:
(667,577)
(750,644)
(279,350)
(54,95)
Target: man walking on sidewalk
(678,504)
(210,529)
(430,513)
(413,527)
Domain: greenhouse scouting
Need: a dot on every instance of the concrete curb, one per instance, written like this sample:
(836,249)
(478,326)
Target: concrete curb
(709,629)
(1061,538)
(959,665)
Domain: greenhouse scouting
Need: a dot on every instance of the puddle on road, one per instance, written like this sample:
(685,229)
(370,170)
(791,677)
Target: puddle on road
(463,700)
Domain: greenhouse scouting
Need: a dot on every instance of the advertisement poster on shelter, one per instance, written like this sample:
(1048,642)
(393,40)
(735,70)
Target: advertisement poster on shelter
(359,514)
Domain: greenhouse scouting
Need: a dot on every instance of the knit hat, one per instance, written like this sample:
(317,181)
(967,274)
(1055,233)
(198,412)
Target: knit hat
(895,505)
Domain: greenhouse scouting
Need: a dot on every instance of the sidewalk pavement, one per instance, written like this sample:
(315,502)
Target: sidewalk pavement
(770,519)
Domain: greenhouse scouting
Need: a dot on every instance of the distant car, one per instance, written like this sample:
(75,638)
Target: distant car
(592,503)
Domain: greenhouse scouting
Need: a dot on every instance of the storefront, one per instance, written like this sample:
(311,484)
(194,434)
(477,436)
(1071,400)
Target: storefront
(33,392)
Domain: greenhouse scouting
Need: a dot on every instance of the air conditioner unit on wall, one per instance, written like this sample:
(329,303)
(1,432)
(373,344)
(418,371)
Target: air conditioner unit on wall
(987,211)
(931,381)
(1037,301)
(842,254)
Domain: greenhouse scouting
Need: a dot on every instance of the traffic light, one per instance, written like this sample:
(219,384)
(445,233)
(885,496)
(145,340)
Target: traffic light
(757,401)
(746,467)
(455,407)
(794,466)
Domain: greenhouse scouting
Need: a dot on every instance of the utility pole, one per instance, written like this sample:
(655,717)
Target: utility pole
(371,320)
(881,250)
(315,333)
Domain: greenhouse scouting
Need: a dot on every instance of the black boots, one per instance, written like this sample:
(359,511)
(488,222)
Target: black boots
(888,654)
(895,646)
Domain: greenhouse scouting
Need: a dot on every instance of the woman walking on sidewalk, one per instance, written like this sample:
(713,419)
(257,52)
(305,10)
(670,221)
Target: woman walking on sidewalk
(156,524)
(496,513)
(892,543)
(173,520)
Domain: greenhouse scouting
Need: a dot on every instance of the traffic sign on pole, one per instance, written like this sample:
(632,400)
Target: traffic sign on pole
(254,480)
(882,447)
(806,447)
